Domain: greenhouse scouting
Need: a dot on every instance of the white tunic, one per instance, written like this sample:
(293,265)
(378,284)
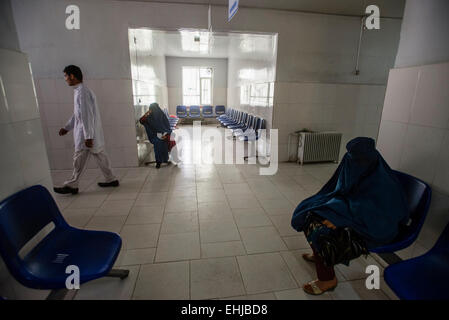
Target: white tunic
(86,121)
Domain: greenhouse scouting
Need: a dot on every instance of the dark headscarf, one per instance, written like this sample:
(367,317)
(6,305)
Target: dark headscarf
(363,194)
(157,121)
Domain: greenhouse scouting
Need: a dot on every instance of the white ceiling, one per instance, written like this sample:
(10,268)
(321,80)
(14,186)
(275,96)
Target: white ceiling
(211,45)
(388,8)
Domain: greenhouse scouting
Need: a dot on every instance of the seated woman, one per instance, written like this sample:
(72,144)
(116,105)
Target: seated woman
(158,130)
(361,207)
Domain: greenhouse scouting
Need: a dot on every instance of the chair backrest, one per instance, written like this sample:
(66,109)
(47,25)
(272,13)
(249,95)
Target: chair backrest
(219,110)
(418,195)
(181,110)
(208,110)
(22,216)
(249,121)
(194,110)
(244,118)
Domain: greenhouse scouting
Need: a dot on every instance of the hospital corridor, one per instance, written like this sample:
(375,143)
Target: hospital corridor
(222,150)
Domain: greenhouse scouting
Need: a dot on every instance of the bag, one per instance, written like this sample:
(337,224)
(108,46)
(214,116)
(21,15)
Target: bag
(170,143)
(334,246)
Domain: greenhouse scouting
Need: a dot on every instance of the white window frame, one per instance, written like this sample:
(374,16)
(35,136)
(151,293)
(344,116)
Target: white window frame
(200,84)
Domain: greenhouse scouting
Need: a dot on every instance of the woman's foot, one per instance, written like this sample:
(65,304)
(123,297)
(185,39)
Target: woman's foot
(158,165)
(308,257)
(317,287)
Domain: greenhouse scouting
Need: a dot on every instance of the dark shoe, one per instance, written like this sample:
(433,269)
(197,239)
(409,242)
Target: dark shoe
(108,184)
(65,190)
(158,165)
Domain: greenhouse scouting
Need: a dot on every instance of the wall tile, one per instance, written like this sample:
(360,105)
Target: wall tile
(400,94)
(4,107)
(46,89)
(21,101)
(431,107)
(14,67)
(28,135)
(10,167)
(442,173)
(390,142)
(421,148)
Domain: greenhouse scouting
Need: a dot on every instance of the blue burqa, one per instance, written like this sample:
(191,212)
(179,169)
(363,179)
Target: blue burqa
(363,194)
(155,123)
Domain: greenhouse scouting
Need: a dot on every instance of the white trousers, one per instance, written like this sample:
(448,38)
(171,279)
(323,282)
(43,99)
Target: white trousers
(79,162)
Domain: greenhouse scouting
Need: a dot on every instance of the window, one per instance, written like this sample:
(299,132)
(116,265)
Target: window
(257,94)
(196,86)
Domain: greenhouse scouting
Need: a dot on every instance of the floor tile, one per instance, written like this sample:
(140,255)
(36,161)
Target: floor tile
(260,296)
(283,224)
(215,278)
(299,294)
(151,199)
(163,281)
(115,208)
(222,249)
(178,246)
(108,288)
(145,215)
(180,222)
(87,201)
(243,201)
(112,224)
(252,217)
(265,272)
(135,257)
(218,230)
(261,239)
(210,210)
(356,290)
(140,236)
(296,242)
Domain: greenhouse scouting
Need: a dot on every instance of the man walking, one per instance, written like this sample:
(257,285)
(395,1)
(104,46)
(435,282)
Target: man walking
(87,133)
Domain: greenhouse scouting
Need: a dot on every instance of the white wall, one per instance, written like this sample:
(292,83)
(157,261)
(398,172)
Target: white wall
(414,130)
(174,78)
(424,33)
(260,72)
(23,161)
(312,48)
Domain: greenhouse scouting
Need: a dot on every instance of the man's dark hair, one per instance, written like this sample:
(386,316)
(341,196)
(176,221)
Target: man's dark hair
(76,71)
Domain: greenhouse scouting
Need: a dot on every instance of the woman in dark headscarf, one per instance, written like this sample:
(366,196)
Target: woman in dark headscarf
(157,127)
(361,207)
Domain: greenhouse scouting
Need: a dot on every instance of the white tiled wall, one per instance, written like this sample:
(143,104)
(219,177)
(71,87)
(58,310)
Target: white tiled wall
(23,160)
(414,136)
(114,98)
(352,109)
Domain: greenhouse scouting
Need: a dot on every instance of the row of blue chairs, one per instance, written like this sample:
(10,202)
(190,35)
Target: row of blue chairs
(244,126)
(195,112)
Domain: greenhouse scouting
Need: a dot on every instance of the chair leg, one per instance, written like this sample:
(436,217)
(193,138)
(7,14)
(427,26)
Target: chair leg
(118,273)
(57,294)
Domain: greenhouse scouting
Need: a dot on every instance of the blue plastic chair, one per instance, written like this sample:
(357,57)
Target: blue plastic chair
(418,195)
(194,112)
(208,112)
(224,115)
(181,111)
(425,277)
(23,215)
(219,110)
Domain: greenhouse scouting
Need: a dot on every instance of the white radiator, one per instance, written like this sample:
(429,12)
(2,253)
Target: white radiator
(318,146)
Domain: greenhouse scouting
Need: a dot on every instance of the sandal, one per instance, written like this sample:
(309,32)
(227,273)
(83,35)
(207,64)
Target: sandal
(312,288)
(308,257)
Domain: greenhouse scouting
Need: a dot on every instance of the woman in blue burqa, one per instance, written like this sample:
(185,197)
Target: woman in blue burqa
(362,206)
(157,127)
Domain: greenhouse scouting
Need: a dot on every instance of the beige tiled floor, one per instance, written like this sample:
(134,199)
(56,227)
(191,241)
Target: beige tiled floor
(207,232)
